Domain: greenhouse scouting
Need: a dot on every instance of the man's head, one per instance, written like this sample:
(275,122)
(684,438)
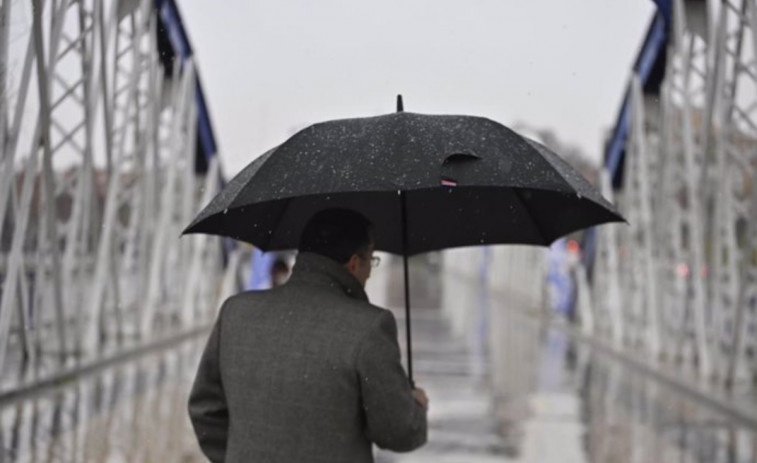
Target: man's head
(342,235)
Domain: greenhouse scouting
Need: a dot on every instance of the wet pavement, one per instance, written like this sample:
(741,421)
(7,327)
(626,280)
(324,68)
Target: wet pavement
(462,423)
(134,412)
(470,420)
(503,385)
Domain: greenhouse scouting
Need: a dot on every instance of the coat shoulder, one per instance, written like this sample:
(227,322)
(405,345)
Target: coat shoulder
(260,304)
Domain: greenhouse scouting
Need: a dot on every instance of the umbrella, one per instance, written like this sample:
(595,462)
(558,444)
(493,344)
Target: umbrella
(427,182)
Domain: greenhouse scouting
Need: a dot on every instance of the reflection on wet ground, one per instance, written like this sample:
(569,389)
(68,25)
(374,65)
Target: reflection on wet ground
(533,394)
(462,427)
(131,413)
(568,402)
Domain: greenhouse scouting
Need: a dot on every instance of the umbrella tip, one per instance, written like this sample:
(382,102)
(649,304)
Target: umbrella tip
(400,106)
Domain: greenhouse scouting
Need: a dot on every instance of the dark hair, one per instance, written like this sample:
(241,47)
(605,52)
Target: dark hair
(279,265)
(337,234)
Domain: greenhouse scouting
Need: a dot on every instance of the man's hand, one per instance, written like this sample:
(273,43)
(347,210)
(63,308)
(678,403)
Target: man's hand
(420,396)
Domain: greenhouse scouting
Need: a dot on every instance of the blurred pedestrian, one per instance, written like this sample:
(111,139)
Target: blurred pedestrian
(279,272)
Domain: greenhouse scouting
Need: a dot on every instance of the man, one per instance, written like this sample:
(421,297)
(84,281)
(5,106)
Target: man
(309,371)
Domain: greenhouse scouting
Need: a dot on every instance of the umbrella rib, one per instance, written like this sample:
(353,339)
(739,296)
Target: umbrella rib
(277,223)
(516,191)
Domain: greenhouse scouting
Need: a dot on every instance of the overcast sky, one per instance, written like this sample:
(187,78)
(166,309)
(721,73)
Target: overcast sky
(272,67)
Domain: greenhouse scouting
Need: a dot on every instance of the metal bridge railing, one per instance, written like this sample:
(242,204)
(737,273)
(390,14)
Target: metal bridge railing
(667,310)
(679,285)
(99,175)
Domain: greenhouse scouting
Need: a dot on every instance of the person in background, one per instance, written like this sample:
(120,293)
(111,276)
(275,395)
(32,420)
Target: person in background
(279,272)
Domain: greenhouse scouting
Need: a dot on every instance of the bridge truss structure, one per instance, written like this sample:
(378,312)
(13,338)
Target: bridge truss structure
(667,304)
(678,286)
(107,152)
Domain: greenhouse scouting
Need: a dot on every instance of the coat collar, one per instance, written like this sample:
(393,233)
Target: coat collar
(315,268)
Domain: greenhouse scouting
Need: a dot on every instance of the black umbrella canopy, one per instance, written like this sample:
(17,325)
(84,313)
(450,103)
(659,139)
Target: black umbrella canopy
(465,181)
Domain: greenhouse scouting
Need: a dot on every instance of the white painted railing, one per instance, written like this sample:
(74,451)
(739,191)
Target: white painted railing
(98,179)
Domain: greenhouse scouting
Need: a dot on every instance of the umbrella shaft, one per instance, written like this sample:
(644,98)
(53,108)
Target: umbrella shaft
(408,336)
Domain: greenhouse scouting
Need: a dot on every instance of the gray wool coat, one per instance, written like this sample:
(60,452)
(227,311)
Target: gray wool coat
(306,372)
